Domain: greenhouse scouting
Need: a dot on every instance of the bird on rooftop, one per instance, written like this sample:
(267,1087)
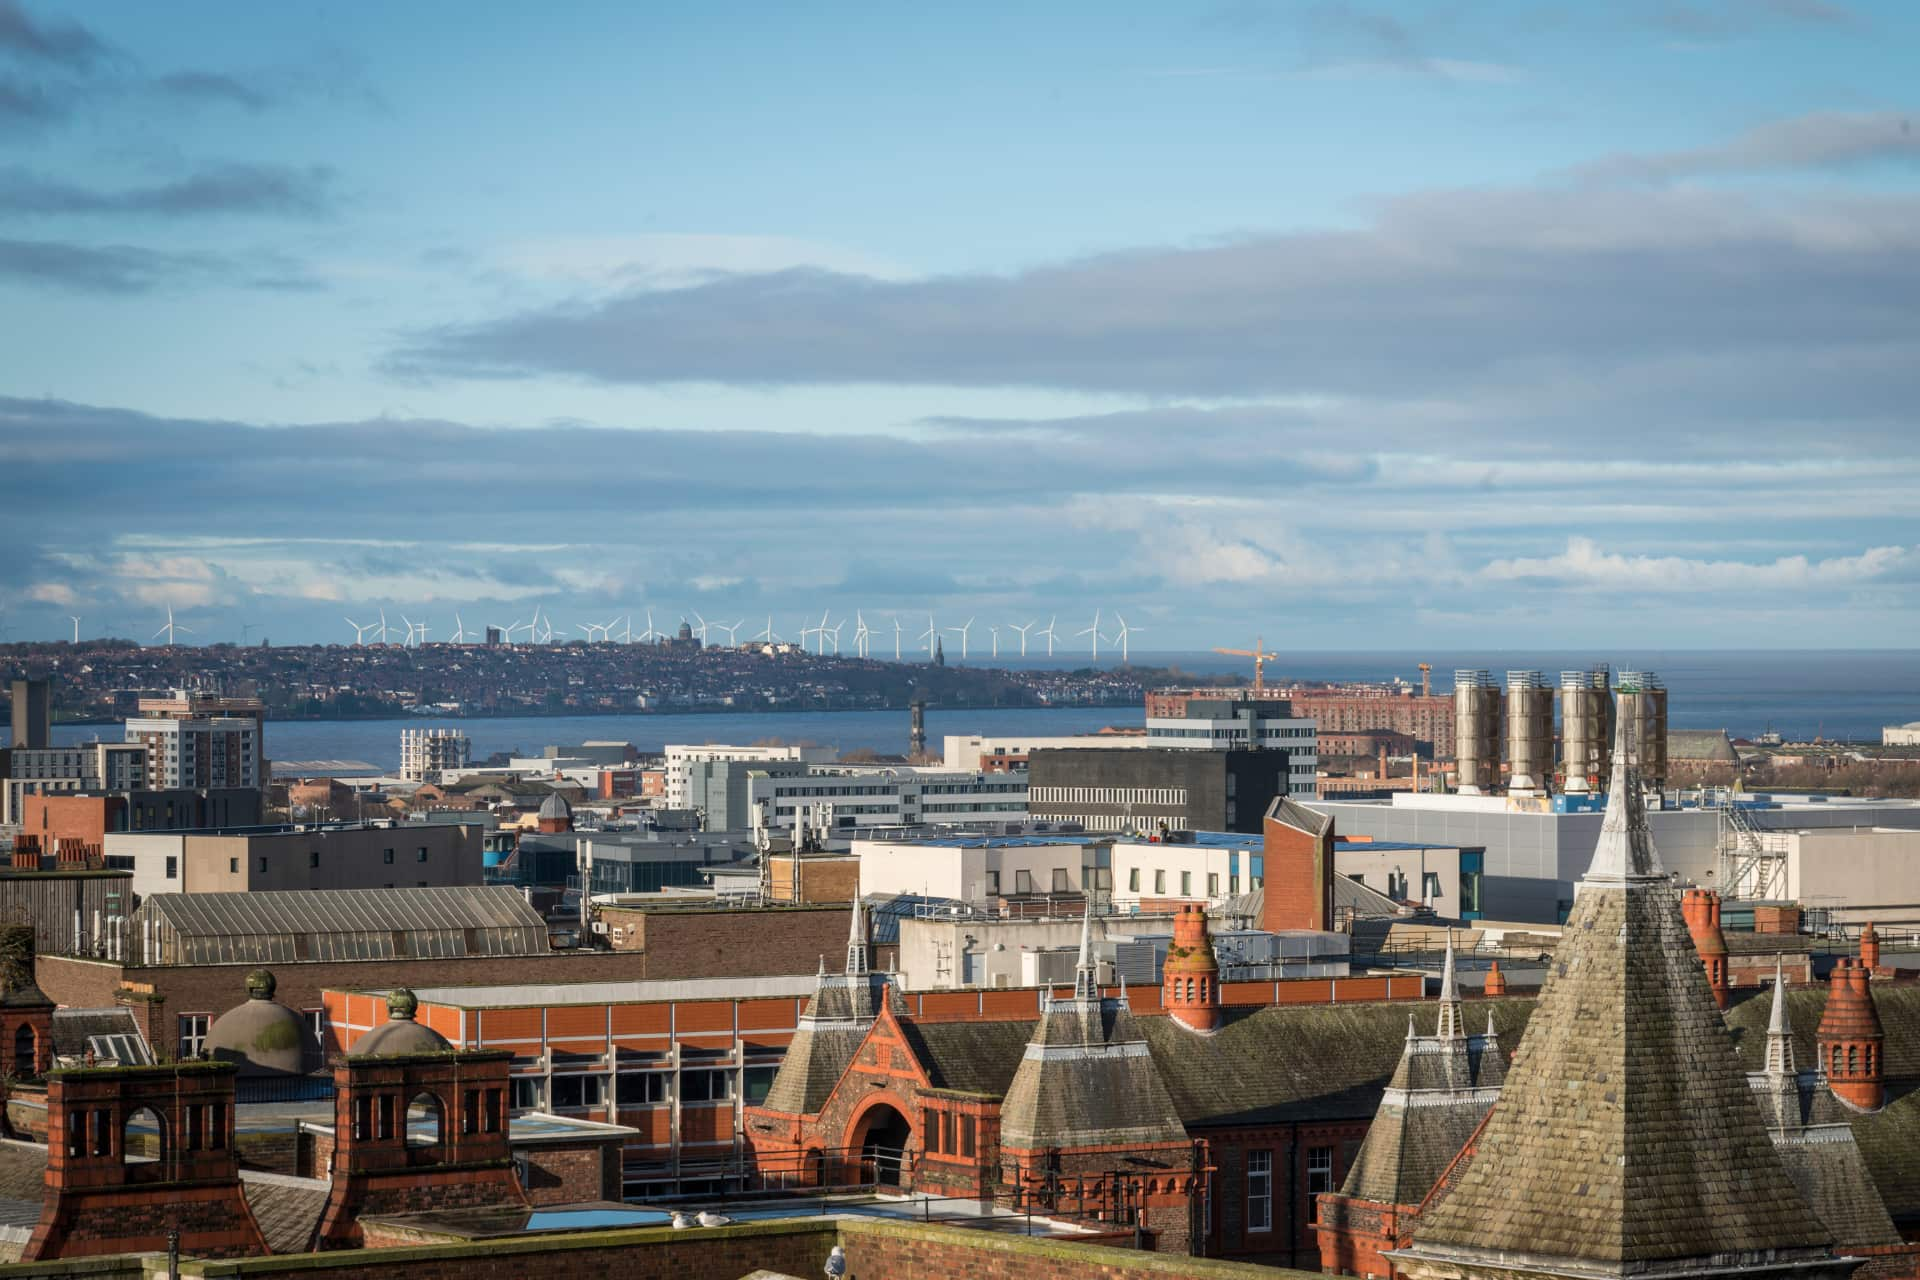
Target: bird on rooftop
(708,1218)
(681,1221)
(836,1263)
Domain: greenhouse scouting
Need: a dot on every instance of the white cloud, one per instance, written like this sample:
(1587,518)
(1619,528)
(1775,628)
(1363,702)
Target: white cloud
(1585,564)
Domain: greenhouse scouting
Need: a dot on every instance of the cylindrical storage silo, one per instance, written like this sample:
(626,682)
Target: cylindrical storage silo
(1476,732)
(1529,732)
(1586,730)
(1643,708)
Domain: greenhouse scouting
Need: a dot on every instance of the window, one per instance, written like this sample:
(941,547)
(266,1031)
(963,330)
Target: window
(173,867)
(579,1091)
(930,1126)
(1319,1178)
(1430,886)
(642,1088)
(706,1086)
(233,866)
(1023,882)
(757,1082)
(386,856)
(526,1093)
(263,862)
(420,854)
(193,1033)
(1159,881)
(1233,883)
(966,1135)
(1259,1191)
(1133,880)
(993,883)
(1059,879)
(313,857)
(316,1020)
(1186,884)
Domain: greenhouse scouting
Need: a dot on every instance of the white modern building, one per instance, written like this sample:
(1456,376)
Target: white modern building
(1901,735)
(1536,847)
(849,797)
(680,760)
(92,766)
(980,751)
(428,755)
(977,869)
(1239,725)
(199,751)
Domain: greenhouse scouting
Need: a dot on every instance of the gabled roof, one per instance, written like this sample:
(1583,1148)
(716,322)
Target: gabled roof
(286,1209)
(1299,817)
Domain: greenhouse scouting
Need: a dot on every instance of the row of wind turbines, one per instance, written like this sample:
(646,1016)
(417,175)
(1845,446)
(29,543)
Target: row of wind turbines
(824,636)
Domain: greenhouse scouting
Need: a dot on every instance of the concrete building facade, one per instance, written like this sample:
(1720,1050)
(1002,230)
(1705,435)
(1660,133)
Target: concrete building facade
(1145,790)
(276,859)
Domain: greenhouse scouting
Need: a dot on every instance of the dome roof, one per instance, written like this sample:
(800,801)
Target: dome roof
(262,1037)
(555,806)
(401,1035)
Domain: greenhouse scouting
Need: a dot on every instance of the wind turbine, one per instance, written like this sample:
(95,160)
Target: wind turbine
(1093,631)
(768,636)
(733,631)
(76,628)
(423,628)
(860,633)
(170,628)
(1023,635)
(1122,635)
(820,634)
(1048,633)
(459,629)
(700,630)
(962,631)
(896,637)
(995,628)
(834,630)
(626,629)
(383,626)
(931,634)
(412,631)
(649,636)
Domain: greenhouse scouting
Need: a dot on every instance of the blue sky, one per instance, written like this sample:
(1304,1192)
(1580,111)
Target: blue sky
(1347,324)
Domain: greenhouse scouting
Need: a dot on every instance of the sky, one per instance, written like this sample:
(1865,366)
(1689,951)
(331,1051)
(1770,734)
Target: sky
(1348,325)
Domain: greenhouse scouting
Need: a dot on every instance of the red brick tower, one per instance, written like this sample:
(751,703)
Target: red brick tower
(1701,909)
(1298,849)
(1191,990)
(1850,1040)
(555,816)
(26,1014)
(1869,947)
(114,1187)
(453,1155)
(1496,980)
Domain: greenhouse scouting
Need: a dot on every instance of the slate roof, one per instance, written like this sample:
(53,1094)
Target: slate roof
(23,1171)
(1627,1136)
(1898,1003)
(287,1209)
(1701,746)
(829,1033)
(971,1057)
(1088,1078)
(73,1028)
(1298,816)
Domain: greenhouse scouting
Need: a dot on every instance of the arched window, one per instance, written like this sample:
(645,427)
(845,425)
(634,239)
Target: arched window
(143,1144)
(1834,1067)
(1853,1058)
(426,1123)
(26,1047)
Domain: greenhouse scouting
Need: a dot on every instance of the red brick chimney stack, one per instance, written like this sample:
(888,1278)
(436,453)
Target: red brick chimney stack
(1869,947)
(1496,980)
(1701,908)
(1191,990)
(1850,1039)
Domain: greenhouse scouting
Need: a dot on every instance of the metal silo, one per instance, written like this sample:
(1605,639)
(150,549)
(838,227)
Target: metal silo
(1476,731)
(1586,729)
(1529,732)
(1643,706)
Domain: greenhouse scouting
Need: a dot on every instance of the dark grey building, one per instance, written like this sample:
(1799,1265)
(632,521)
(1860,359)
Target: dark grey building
(1144,788)
(32,714)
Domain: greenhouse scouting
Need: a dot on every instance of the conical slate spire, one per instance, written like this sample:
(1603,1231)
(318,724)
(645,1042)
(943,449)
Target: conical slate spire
(1779,1031)
(1625,852)
(1627,1141)
(1086,975)
(857,942)
(1450,1027)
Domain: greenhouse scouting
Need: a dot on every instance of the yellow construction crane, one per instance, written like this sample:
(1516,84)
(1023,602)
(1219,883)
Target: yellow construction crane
(1259,656)
(1426,679)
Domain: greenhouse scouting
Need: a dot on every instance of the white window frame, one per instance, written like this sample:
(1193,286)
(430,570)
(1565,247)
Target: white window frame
(1259,1192)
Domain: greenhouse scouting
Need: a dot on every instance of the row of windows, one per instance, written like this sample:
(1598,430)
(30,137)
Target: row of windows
(1108,795)
(1186,882)
(947,1134)
(645,1088)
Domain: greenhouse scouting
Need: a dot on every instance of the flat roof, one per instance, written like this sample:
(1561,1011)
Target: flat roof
(985,842)
(529,994)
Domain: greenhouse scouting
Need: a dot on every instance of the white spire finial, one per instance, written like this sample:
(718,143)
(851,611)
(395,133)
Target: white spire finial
(1450,1025)
(1779,1030)
(857,942)
(1625,851)
(1086,977)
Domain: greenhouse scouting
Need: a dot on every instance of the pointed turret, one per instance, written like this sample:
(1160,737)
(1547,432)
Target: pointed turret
(1779,1032)
(857,942)
(1850,1040)
(1627,1140)
(1450,1027)
(1086,973)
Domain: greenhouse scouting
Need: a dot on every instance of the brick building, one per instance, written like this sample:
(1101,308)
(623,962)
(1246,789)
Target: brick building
(1428,720)
(703,940)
